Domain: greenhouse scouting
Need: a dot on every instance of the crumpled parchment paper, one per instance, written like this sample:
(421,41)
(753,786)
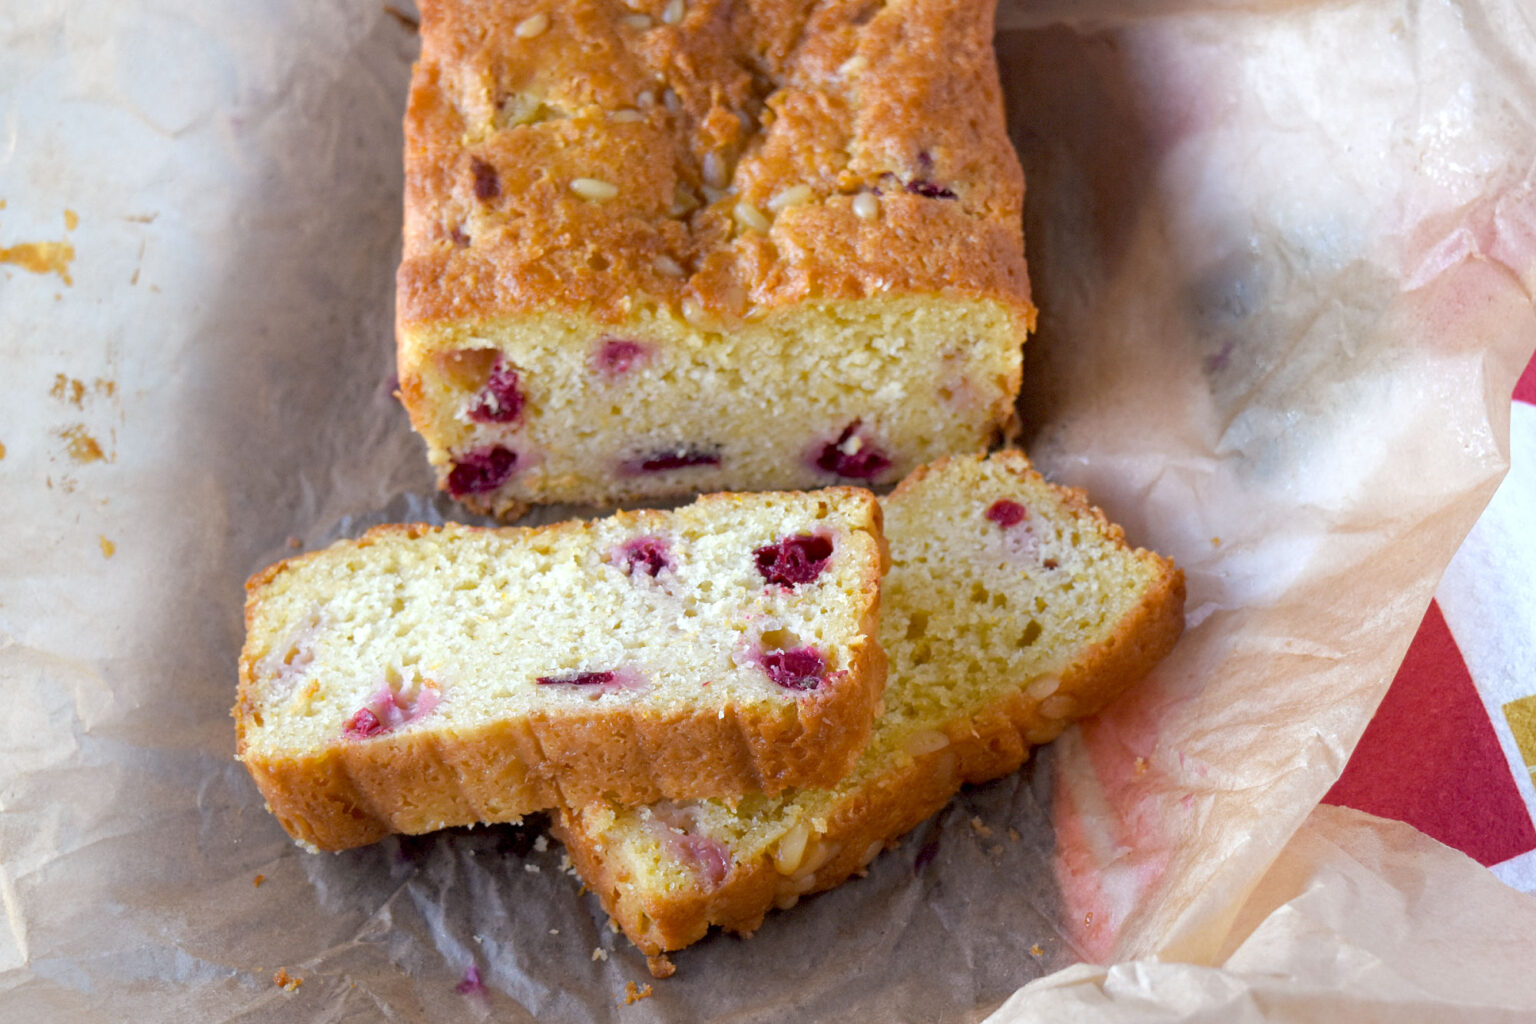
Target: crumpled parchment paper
(1284,256)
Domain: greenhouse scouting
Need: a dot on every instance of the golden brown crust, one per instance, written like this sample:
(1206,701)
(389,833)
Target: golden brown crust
(418,780)
(847,98)
(983,746)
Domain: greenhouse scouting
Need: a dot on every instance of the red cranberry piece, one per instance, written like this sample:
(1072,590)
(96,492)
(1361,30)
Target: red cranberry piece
(852,456)
(362,725)
(793,560)
(648,554)
(1007,513)
(471,982)
(929,190)
(487,183)
(799,669)
(620,355)
(481,470)
(578,679)
(707,857)
(680,457)
(500,401)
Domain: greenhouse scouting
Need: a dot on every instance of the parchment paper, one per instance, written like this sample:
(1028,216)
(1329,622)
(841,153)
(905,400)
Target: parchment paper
(1284,255)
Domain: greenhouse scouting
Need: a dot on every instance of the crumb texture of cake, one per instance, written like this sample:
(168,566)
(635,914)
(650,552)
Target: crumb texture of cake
(657,247)
(1012,608)
(422,677)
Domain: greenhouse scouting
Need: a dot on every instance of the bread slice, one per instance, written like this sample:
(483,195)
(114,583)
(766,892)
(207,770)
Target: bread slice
(422,677)
(1012,607)
(658,247)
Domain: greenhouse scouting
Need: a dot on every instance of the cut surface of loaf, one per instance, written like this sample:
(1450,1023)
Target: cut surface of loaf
(422,677)
(655,247)
(1012,607)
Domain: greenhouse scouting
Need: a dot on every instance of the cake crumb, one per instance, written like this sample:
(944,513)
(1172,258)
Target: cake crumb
(532,869)
(661,966)
(1088,918)
(1013,834)
(1141,766)
(282,979)
(996,849)
(600,954)
(634,993)
(295,543)
(2,451)
(540,844)
(980,828)
(554,931)
(1215,542)
(83,447)
(1035,950)
(258,880)
(67,389)
(71,219)
(108,549)
(613,926)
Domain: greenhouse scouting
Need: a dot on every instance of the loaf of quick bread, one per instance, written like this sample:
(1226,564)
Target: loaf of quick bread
(422,677)
(1012,607)
(658,247)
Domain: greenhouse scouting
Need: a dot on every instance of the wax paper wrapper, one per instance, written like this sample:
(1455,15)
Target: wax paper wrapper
(1284,255)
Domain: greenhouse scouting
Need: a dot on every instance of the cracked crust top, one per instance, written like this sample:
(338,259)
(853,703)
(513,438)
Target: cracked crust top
(718,155)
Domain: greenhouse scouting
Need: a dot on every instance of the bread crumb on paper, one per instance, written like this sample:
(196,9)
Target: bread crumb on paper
(1142,764)
(600,954)
(634,993)
(108,549)
(282,979)
(1013,835)
(82,446)
(980,828)
(1035,950)
(295,543)
(41,258)
(661,966)
(258,880)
